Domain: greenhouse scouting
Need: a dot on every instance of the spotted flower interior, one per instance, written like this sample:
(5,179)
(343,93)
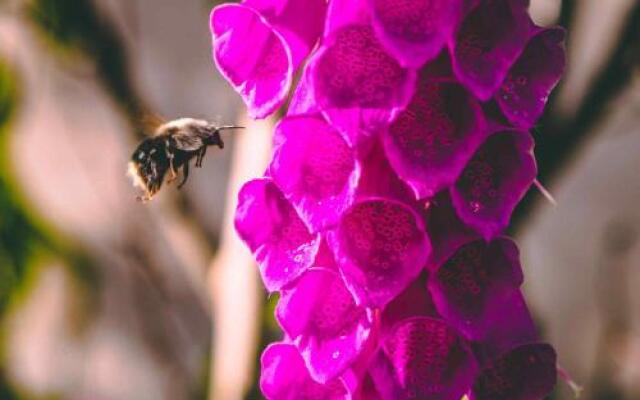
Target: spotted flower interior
(396,168)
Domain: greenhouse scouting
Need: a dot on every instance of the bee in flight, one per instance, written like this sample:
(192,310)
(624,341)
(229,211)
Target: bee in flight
(173,146)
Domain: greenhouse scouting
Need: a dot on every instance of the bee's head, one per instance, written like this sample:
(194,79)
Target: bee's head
(148,166)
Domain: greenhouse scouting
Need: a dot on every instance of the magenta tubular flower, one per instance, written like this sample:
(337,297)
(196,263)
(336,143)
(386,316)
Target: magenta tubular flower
(320,315)
(423,358)
(280,241)
(473,287)
(514,327)
(358,85)
(380,217)
(527,372)
(414,31)
(524,92)
(494,181)
(315,168)
(430,142)
(488,42)
(377,177)
(414,301)
(380,246)
(258,45)
(447,231)
(285,377)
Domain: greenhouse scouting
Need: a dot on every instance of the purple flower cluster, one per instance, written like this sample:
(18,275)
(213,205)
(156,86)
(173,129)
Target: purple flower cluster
(404,150)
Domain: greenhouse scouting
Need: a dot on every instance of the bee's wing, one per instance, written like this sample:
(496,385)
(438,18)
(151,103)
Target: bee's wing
(151,121)
(187,141)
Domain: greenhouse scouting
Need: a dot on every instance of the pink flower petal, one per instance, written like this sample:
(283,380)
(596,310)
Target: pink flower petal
(446,231)
(525,373)
(357,84)
(424,359)
(488,43)
(377,177)
(298,21)
(414,31)
(285,377)
(414,301)
(433,138)
(380,246)
(315,168)
(494,181)
(321,316)
(257,46)
(471,288)
(525,91)
(279,240)
(513,326)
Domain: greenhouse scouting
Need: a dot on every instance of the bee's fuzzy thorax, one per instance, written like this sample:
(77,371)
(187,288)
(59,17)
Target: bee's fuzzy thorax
(181,123)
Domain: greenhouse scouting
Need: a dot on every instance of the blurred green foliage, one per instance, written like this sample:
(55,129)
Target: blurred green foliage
(17,235)
(23,235)
(25,240)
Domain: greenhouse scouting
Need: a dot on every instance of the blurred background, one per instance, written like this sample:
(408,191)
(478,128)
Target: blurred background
(104,298)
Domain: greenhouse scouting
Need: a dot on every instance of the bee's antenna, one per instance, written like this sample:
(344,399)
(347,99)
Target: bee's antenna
(221,128)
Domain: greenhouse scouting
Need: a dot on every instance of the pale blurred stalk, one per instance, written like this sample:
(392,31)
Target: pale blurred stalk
(233,277)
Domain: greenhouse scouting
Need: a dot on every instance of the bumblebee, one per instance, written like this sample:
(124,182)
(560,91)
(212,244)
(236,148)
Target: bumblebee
(173,146)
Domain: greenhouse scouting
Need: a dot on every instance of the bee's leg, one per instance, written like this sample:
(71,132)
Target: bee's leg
(200,156)
(173,173)
(172,168)
(185,174)
(204,151)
